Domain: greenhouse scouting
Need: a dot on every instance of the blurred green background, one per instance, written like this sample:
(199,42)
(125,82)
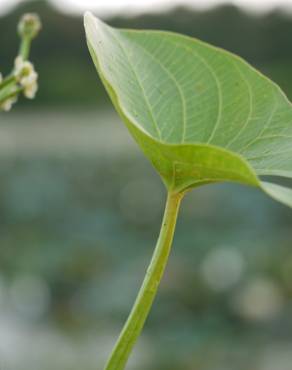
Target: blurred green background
(80,211)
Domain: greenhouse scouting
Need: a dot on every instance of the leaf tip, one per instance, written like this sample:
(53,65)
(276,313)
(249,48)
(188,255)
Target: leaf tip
(90,23)
(88,17)
(89,20)
(93,26)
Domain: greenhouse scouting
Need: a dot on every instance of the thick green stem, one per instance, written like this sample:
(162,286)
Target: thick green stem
(148,290)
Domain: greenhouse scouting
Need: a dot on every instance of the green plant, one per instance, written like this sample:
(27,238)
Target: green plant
(23,78)
(201,115)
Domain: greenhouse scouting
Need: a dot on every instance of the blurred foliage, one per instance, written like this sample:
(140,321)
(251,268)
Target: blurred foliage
(77,231)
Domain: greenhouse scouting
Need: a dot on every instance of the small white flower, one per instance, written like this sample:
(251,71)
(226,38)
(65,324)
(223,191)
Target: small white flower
(18,62)
(29,79)
(31,90)
(22,69)
(26,76)
(7,104)
(19,65)
(29,25)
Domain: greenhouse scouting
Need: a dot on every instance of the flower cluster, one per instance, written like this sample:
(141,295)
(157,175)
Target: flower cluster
(26,76)
(23,78)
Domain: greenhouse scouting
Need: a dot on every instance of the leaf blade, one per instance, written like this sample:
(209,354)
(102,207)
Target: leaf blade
(188,103)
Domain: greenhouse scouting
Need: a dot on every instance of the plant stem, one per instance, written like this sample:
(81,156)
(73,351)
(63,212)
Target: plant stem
(25,47)
(148,290)
(10,94)
(7,81)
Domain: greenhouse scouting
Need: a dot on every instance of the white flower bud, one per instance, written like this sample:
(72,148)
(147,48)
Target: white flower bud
(29,25)
(7,104)
(26,76)
(31,90)
(22,68)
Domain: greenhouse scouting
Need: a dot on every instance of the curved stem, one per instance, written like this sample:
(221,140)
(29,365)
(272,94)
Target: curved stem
(148,290)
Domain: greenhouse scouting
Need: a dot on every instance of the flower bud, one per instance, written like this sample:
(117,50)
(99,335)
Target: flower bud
(26,76)
(29,25)
(7,104)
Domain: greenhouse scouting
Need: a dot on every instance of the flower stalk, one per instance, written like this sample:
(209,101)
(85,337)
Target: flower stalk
(23,78)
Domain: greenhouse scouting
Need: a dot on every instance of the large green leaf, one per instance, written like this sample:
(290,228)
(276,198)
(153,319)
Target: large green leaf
(200,114)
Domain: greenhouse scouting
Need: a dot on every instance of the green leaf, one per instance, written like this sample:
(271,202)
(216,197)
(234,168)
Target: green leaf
(200,114)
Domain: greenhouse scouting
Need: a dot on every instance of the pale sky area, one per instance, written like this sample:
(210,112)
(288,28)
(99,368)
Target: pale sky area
(104,7)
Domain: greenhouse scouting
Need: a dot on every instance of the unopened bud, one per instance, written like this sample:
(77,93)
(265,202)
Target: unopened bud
(29,25)
(7,104)
(26,76)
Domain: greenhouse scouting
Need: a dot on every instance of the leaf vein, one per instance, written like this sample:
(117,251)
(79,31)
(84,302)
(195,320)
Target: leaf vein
(250,107)
(139,84)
